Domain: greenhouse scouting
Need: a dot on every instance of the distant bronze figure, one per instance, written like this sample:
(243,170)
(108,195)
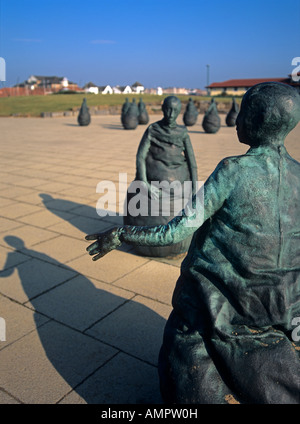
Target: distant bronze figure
(211,121)
(232,335)
(143,114)
(165,155)
(84,117)
(191,113)
(130,119)
(232,114)
(125,107)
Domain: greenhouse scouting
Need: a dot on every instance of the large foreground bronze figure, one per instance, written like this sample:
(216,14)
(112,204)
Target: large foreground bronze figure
(229,337)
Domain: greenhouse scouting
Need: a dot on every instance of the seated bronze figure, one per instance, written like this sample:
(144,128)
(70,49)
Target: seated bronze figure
(165,155)
(229,338)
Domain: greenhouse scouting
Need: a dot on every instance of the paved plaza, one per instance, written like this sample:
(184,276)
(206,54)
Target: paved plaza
(78,331)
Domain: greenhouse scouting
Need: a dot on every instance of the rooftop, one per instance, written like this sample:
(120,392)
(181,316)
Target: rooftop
(247,82)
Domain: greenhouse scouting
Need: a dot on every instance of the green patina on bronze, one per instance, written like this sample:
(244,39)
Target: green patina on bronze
(130,116)
(84,117)
(211,122)
(232,114)
(165,154)
(190,115)
(143,114)
(125,107)
(229,336)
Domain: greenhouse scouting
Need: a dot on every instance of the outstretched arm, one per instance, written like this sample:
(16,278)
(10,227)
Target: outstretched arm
(175,231)
(202,206)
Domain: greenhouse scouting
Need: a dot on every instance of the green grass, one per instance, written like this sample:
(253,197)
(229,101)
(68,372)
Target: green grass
(35,105)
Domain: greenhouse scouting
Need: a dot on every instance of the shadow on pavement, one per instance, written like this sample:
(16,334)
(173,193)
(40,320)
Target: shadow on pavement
(103,345)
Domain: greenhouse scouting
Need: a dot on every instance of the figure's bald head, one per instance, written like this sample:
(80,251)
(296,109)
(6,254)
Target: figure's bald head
(172,101)
(269,111)
(171,108)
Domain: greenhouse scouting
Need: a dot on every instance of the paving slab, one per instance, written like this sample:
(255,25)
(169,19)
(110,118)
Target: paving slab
(29,279)
(135,328)
(8,224)
(45,218)
(154,280)
(81,302)
(9,258)
(13,191)
(42,367)
(123,380)
(18,209)
(19,321)
(29,234)
(80,226)
(7,399)
(60,249)
(110,268)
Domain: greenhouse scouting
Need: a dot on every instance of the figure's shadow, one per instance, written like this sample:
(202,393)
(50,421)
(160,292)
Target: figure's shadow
(95,340)
(196,132)
(83,217)
(113,126)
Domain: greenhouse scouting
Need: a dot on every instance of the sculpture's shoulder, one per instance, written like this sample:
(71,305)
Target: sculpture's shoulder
(231,162)
(154,128)
(153,125)
(252,158)
(232,170)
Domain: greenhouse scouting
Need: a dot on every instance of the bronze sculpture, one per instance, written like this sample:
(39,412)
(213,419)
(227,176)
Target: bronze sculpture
(191,113)
(232,114)
(130,118)
(211,121)
(229,338)
(125,107)
(165,154)
(84,117)
(143,114)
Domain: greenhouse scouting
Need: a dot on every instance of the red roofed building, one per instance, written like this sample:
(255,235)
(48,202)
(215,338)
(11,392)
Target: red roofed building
(237,87)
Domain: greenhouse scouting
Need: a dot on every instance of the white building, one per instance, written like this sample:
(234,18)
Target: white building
(122,89)
(91,88)
(137,88)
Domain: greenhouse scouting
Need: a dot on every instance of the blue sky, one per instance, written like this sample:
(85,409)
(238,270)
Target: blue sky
(156,42)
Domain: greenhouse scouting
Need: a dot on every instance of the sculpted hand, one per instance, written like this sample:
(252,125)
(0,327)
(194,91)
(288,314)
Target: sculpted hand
(105,242)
